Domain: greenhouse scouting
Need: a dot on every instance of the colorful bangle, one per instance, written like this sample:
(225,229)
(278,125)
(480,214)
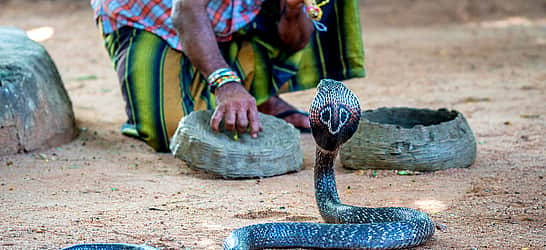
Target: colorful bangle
(222,76)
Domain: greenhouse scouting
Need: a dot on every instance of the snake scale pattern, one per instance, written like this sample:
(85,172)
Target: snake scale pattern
(334,116)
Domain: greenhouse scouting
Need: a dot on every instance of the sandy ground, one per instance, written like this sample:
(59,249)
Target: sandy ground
(486,59)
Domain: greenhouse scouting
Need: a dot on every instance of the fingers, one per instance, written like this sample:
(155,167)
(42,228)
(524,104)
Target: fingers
(237,108)
(216,119)
(242,121)
(229,120)
(227,115)
(255,124)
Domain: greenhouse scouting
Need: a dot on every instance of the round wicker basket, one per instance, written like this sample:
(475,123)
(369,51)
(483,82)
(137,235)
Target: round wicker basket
(410,139)
(276,151)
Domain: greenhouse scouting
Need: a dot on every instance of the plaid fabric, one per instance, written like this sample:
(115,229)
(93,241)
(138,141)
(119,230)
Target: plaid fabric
(227,16)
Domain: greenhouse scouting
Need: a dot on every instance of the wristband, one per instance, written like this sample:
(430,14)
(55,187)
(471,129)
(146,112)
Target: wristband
(220,77)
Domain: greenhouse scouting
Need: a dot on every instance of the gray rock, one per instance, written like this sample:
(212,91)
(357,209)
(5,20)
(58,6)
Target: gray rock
(276,151)
(410,139)
(35,110)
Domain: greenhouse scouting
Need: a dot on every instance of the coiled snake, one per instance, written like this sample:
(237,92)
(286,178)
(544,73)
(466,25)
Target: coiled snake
(334,116)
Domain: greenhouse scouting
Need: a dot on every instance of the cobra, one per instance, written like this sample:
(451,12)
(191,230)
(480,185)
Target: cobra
(334,116)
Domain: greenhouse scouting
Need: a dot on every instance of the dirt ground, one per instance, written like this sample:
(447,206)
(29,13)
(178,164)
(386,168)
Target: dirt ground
(486,59)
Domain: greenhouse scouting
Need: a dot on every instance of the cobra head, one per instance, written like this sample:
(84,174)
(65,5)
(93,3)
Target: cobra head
(334,114)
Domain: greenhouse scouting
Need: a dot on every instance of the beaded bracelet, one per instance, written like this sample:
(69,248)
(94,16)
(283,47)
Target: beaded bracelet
(222,76)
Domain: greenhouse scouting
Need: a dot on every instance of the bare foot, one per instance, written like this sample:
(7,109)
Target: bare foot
(275,105)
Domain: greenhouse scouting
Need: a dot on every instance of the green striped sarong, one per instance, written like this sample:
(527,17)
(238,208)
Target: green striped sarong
(160,85)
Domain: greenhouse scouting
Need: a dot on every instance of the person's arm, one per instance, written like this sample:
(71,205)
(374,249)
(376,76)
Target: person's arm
(234,104)
(295,27)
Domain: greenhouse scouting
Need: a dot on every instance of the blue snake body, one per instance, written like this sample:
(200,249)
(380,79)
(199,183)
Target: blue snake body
(334,116)
(353,228)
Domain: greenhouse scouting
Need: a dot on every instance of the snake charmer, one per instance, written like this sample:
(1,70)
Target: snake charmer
(173,57)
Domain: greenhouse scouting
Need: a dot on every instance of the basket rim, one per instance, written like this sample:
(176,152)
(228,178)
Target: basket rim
(458,118)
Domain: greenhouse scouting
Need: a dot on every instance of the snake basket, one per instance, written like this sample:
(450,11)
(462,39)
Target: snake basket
(276,151)
(410,139)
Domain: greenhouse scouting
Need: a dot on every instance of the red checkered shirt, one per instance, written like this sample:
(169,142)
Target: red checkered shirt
(227,16)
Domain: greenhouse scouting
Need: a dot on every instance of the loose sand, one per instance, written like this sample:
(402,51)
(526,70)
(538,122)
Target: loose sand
(486,59)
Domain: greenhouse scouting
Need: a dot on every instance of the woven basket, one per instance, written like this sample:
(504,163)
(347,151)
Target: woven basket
(276,151)
(410,139)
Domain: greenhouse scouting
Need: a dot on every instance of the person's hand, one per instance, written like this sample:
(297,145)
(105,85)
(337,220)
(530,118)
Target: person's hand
(237,108)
